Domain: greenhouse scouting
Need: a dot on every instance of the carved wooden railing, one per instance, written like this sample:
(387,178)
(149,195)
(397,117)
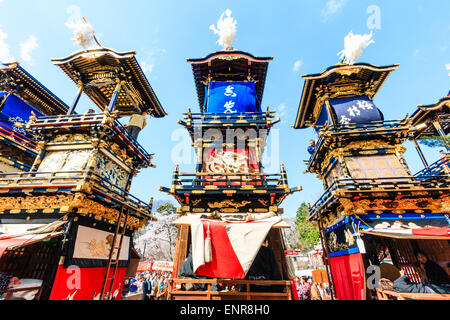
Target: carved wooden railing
(244,294)
(18,137)
(91,119)
(388,184)
(70,180)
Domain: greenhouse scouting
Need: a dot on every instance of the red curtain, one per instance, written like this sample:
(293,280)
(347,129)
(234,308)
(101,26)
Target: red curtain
(348,276)
(294,290)
(85,283)
(433,231)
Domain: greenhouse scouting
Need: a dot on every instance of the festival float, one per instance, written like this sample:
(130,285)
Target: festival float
(229,206)
(374,214)
(68,221)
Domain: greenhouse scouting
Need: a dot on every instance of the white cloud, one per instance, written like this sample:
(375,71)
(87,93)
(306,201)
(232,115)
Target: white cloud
(332,7)
(152,58)
(147,67)
(26,47)
(297,65)
(5,55)
(281,109)
(281,112)
(448,68)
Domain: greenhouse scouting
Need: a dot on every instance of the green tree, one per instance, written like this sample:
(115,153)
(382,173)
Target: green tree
(435,141)
(166,208)
(308,234)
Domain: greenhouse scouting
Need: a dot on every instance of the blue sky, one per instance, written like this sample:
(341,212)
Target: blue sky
(304,37)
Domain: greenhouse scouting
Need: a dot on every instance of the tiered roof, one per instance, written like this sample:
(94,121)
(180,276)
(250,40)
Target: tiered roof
(231,65)
(99,70)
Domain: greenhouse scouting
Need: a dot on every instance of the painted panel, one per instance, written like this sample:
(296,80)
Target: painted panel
(68,160)
(96,244)
(111,172)
(375,167)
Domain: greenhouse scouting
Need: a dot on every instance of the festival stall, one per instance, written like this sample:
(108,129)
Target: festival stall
(162,266)
(144,266)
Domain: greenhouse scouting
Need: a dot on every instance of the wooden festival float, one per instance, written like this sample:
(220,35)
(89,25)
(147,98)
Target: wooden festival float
(71,217)
(229,206)
(21,95)
(373,207)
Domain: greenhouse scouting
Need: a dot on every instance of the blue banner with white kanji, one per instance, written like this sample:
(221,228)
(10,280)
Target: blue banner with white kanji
(15,110)
(355,110)
(232,97)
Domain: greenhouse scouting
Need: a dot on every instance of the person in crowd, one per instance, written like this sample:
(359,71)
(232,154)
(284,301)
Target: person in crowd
(162,292)
(300,288)
(306,290)
(146,288)
(312,146)
(133,287)
(430,271)
(139,284)
(154,284)
(315,291)
(136,124)
(327,290)
(157,283)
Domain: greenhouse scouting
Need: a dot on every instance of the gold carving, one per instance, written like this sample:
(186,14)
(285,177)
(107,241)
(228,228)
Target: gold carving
(397,205)
(228,203)
(368,144)
(77,202)
(70,138)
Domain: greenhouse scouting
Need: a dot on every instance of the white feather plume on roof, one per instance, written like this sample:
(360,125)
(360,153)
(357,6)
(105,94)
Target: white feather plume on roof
(226,29)
(83,34)
(353,46)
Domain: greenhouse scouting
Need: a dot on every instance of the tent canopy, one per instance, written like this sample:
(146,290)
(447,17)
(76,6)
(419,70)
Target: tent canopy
(22,235)
(431,233)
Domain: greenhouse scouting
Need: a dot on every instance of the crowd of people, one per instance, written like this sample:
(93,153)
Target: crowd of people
(309,290)
(152,285)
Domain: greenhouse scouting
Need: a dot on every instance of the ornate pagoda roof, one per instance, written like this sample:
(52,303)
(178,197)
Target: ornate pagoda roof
(16,80)
(437,111)
(99,69)
(229,65)
(339,81)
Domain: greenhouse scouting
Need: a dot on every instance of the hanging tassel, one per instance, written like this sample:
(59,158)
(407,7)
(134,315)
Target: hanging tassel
(208,248)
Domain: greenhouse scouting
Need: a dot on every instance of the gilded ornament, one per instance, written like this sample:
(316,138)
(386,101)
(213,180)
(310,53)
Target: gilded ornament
(228,203)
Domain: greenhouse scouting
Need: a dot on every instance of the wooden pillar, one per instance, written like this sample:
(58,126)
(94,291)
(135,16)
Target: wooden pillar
(330,112)
(419,151)
(114,97)
(327,259)
(77,99)
(181,249)
(440,131)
